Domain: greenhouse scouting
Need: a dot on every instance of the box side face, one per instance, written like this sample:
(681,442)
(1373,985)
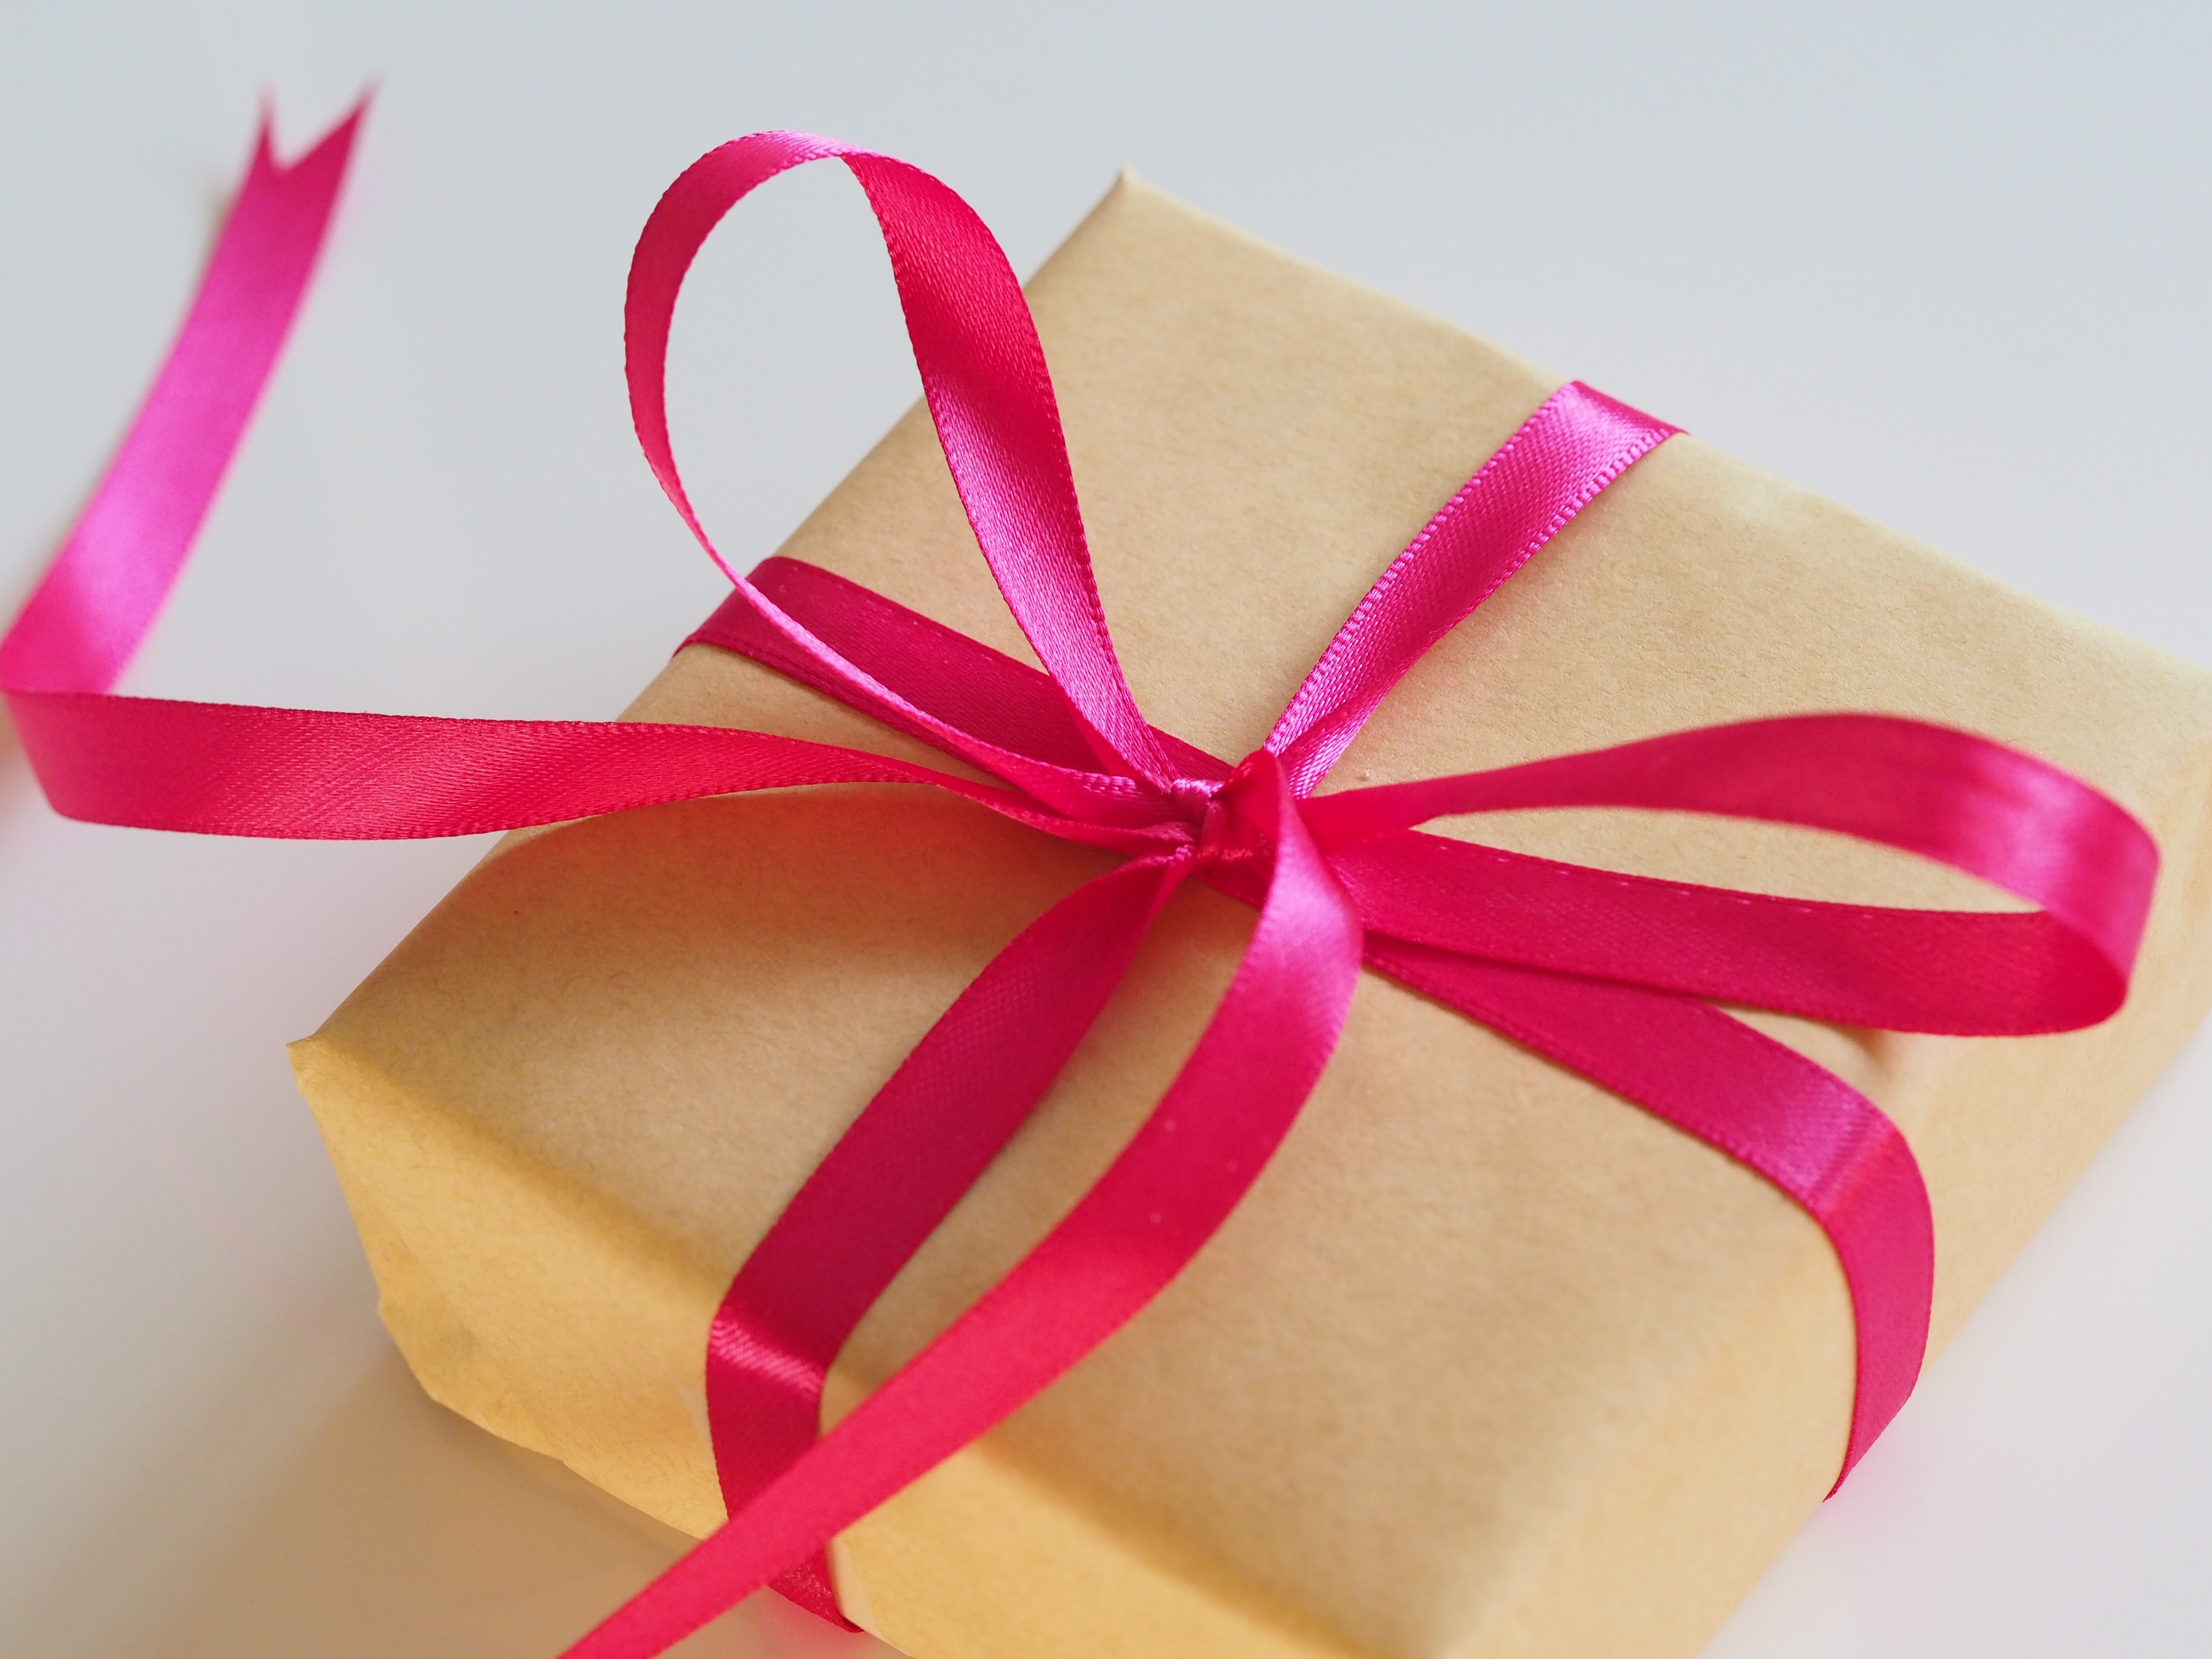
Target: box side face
(440,1345)
(549,1283)
(1489,1362)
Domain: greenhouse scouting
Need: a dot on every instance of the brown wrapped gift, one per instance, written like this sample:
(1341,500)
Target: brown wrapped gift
(1489,1362)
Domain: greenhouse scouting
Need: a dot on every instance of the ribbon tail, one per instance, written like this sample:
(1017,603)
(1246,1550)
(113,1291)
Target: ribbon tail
(313,774)
(937,1123)
(1803,1128)
(1155,1207)
(87,619)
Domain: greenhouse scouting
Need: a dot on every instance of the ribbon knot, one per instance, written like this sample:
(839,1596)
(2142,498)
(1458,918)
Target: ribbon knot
(1613,976)
(1192,801)
(1233,846)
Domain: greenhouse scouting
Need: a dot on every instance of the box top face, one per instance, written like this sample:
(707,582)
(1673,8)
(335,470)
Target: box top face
(1476,1303)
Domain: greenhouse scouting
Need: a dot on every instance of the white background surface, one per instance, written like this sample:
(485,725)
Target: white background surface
(1947,264)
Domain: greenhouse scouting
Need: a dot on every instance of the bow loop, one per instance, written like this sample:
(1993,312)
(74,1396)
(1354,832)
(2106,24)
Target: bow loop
(990,396)
(1236,836)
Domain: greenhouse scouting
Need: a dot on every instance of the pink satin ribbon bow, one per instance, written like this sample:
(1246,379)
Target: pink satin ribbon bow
(1613,976)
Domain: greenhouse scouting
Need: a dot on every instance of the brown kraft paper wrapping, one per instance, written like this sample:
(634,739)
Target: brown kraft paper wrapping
(1490,1363)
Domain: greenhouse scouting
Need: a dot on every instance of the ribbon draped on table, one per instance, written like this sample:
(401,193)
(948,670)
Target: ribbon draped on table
(1613,976)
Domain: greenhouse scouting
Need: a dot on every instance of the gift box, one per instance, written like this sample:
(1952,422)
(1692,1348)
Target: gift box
(1489,1362)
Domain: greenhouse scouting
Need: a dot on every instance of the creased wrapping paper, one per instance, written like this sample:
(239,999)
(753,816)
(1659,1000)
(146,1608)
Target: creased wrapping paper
(1490,1363)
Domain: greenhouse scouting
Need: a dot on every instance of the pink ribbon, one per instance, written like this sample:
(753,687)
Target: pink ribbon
(1613,976)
